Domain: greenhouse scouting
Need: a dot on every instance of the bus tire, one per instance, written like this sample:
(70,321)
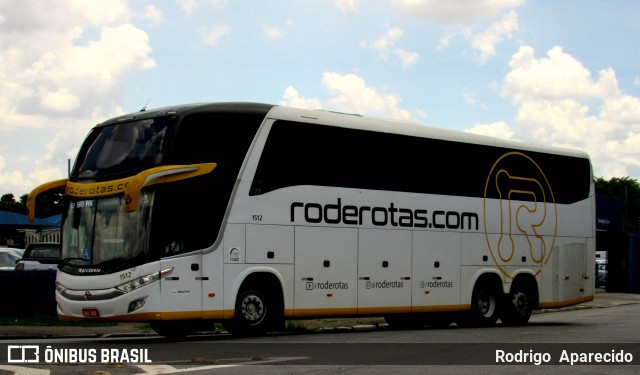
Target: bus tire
(486,304)
(257,312)
(518,305)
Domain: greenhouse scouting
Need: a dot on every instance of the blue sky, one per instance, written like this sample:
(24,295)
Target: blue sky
(561,73)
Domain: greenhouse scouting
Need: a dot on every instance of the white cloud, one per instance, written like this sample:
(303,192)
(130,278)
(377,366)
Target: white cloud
(15,179)
(623,109)
(454,11)
(120,49)
(213,36)
(271,32)
(152,14)
(471,99)
(292,98)
(218,4)
(406,58)
(61,100)
(351,94)
(559,103)
(496,129)
(385,43)
(347,6)
(63,69)
(444,42)
(188,6)
(559,75)
(486,41)
(93,14)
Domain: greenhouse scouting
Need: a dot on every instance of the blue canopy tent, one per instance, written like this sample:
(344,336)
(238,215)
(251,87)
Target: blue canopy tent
(14,226)
(20,221)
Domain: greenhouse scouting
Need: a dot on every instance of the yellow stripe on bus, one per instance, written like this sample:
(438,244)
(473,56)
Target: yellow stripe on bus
(571,302)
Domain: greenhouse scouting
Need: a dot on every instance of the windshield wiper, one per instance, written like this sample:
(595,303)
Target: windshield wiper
(65,261)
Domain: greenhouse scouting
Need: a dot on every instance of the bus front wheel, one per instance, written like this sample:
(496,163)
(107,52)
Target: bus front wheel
(256,312)
(486,304)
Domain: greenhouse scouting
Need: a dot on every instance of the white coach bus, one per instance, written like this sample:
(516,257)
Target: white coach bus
(252,214)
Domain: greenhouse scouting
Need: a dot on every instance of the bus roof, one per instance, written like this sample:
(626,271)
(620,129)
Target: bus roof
(411,128)
(345,120)
(199,108)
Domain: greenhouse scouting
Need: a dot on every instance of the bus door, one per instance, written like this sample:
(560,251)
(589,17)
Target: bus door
(384,271)
(181,291)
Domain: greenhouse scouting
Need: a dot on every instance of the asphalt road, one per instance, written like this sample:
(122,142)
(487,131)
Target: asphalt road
(607,325)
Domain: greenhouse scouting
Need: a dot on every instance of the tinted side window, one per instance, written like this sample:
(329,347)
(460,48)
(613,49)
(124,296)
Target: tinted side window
(44,252)
(307,154)
(191,211)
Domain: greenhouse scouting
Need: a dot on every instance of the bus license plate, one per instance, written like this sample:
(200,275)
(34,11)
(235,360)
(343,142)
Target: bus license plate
(90,312)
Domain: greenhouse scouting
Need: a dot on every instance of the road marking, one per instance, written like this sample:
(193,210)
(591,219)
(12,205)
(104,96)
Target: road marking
(157,369)
(167,369)
(19,370)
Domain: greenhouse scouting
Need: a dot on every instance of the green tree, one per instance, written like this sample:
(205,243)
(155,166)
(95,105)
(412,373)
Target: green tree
(627,190)
(48,204)
(8,203)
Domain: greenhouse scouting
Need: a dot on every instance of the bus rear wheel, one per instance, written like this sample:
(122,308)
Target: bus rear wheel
(518,306)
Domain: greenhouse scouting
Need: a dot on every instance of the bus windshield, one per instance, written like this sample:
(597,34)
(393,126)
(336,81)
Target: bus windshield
(123,147)
(100,236)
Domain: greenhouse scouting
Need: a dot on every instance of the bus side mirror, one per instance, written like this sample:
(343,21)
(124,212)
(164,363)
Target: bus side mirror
(31,199)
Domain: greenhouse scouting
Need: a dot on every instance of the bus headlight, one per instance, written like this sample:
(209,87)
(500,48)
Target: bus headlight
(141,281)
(60,288)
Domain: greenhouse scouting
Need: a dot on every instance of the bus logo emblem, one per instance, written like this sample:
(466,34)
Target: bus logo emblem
(518,193)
